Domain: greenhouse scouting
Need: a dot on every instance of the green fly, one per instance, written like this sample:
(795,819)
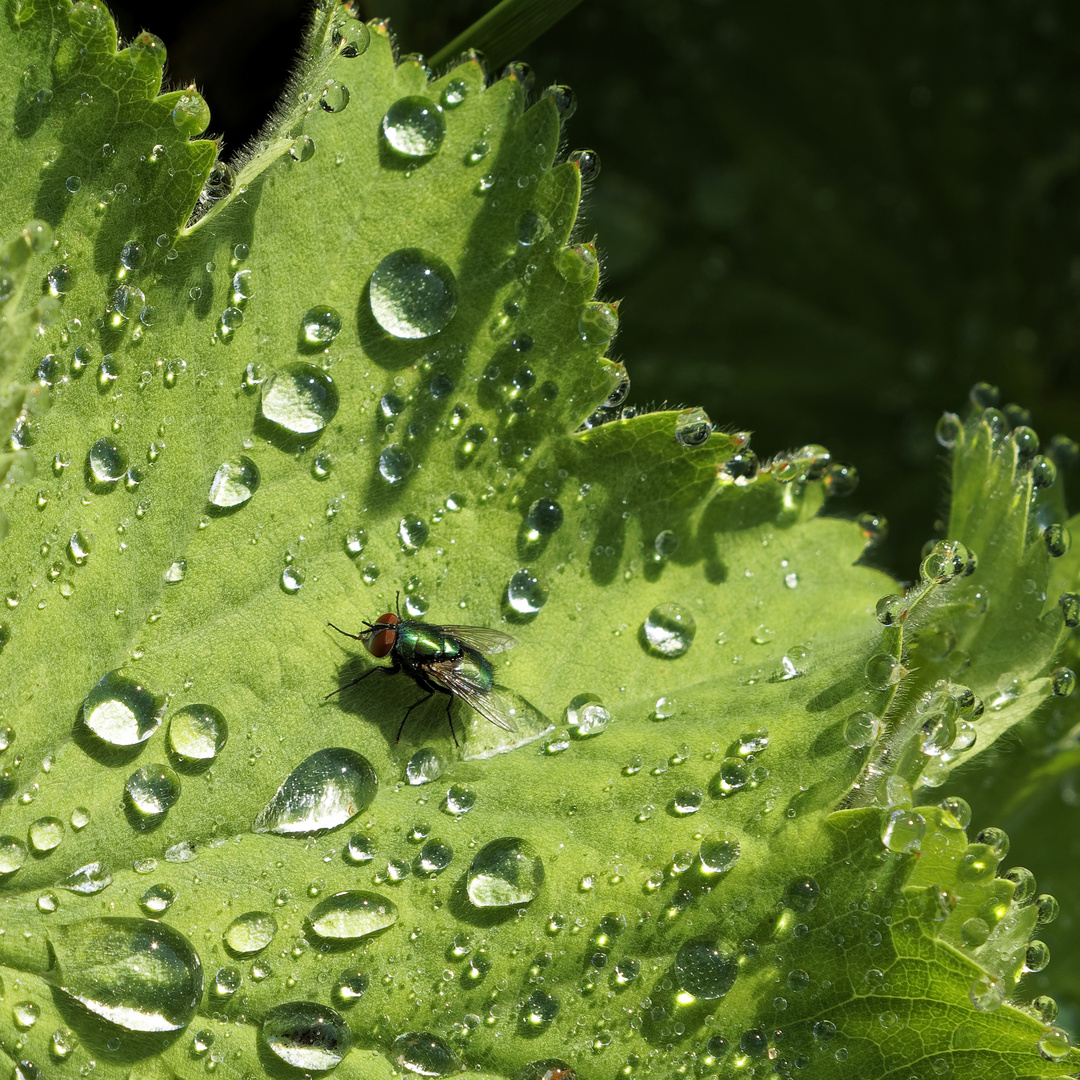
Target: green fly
(441,660)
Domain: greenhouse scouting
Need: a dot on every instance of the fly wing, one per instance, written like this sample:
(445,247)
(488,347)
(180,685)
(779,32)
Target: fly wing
(490,703)
(481,638)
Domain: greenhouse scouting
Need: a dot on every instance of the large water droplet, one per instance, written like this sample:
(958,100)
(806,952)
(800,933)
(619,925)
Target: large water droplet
(307,1036)
(413,293)
(250,933)
(423,767)
(153,790)
(235,481)
(669,630)
(423,1053)
(394,463)
(107,461)
(135,973)
(525,594)
(705,969)
(347,916)
(120,711)
(414,126)
(45,834)
(505,872)
(197,733)
(300,398)
(324,791)
(692,427)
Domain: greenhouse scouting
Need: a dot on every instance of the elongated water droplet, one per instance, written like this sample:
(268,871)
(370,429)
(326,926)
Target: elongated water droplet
(89,879)
(107,461)
(413,293)
(120,711)
(300,398)
(525,594)
(324,791)
(348,916)
(414,126)
(505,872)
(135,973)
(307,1036)
(422,1053)
(250,933)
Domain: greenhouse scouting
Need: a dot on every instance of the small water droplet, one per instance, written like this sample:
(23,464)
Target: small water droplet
(693,427)
(152,790)
(324,791)
(862,729)
(300,398)
(235,481)
(394,463)
(505,872)
(413,534)
(668,630)
(157,899)
(598,323)
(351,38)
(250,933)
(687,800)
(706,969)
(435,856)
(334,97)
(302,149)
(319,326)
(460,799)
(414,127)
(586,715)
(719,853)
(525,594)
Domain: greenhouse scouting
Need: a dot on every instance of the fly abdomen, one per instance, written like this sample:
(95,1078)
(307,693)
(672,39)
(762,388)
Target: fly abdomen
(424,644)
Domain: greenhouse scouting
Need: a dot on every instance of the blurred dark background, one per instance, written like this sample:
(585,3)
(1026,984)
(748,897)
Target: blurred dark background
(826,218)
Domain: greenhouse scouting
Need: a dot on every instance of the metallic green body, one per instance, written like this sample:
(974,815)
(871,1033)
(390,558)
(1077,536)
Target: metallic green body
(418,645)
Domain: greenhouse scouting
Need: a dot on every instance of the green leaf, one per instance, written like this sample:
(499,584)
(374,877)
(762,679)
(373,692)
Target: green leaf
(366,363)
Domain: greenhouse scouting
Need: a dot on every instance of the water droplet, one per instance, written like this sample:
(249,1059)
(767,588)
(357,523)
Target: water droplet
(706,969)
(350,988)
(302,149)
(1062,682)
(80,546)
(539,1008)
(460,799)
(413,293)
(351,38)
(300,398)
(157,899)
(292,578)
(719,853)
(862,729)
(883,671)
(320,325)
(334,97)
(423,1053)
(435,856)
(120,711)
(598,323)
(63,1043)
(310,1037)
(424,767)
(413,533)
(153,789)
(12,854)
(693,427)
(25,1014)
(73,184)
(687,800)
(532,227)
(394,463)
(588,163)
(543,518)
(250,933)
(586,715)
(505,872)
(107,461)
(138,974)
(324,791)
(414,126)
(235,481)
(59,279)
(1054,1045)
(176,571)
(454,93)
(525,594)
(802,895)
(669,630)
(904,831)
(987,993)
(348,916)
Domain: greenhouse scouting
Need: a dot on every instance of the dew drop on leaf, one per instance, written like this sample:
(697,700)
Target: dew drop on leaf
(300,398)
(89,879)
(414,127)
(422,1053)
(107,461)
(324,791)
(307,1036)
(413,293)
(705,969)
(350,915)
(152,790)
(423,767)
(525,594)
(505,872)
(350,988)
(12,854)
(235,481)
(460,799)
(334,97)
(157,899)
(394,463)
(250,933)
(120,711)
(669,630)
(320,325)
(350,37)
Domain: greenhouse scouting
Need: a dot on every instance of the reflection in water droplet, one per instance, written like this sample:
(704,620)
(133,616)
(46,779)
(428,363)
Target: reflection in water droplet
(669,630)
(347,916)
(157,899)
(25,1014)
(705,969)
(334,97)
(350,988)
(423,1053)
(525,594)
(861,729)
(107,461)
(302,149)
(414,126)
(598,323)
(350,37)
(235,481)
(693,427)
(413,533)
(394,463)
(197,733)
(307,1036)
(413,293)
(120,711)
(505,872)
(89,879)
(586,715)
(300,398)
(435,856)
(320,325)
(324,791)
(719,853)
(543,518)
(45,834)
(250,933)
(460,799)
(226,982)
(423,767)
(138,974)
(12,854)
(153,789)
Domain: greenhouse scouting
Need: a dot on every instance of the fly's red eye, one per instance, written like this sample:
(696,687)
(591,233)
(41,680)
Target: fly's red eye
(389,619)
(382,641)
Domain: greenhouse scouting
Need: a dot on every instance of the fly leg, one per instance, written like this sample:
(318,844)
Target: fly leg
(427,697)
(450,719)
(355,681)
